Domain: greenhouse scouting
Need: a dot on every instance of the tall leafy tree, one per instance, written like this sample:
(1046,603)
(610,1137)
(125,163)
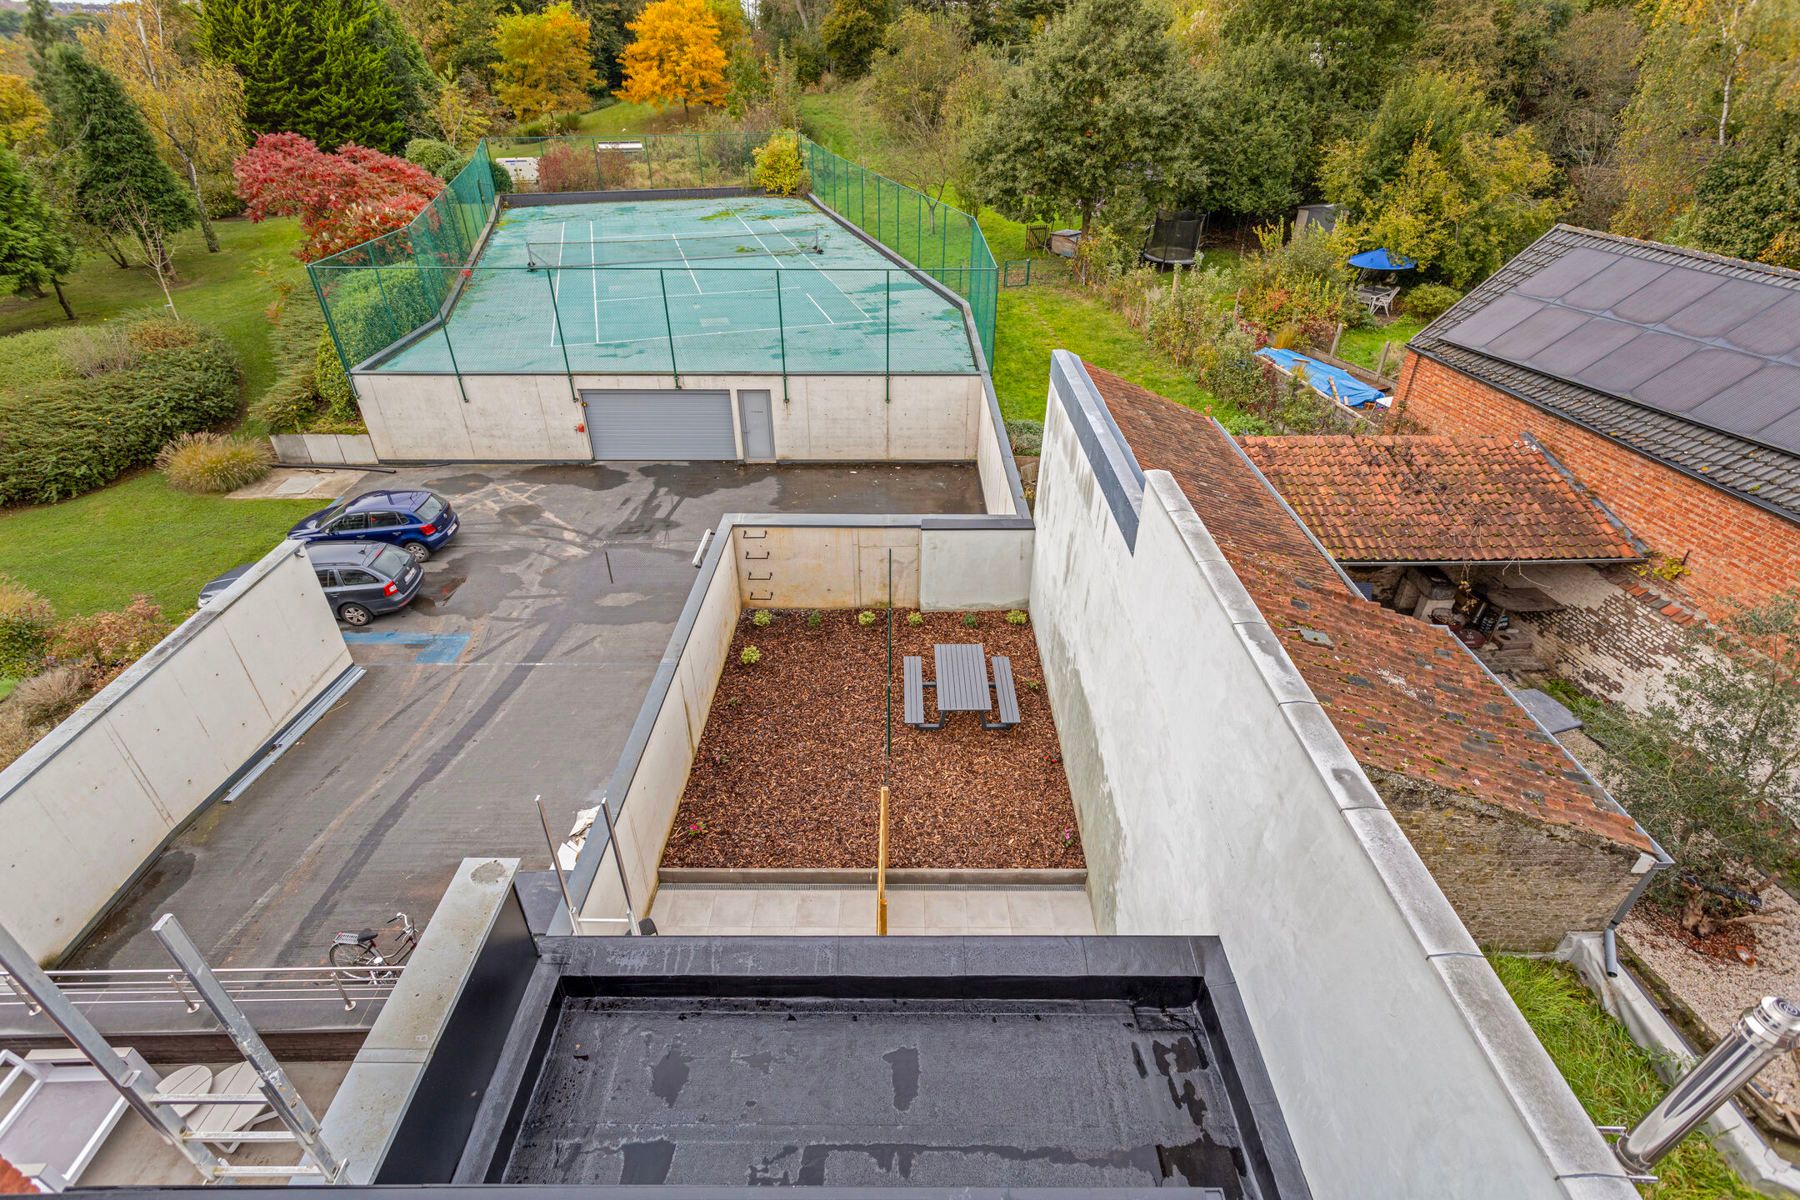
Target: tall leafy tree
(1258,106)
(195,107)
(1747,204)
(852,33)
(335,71)
(1573,98)
(341,199)
(544,65)
(1101,107)
(1355,46)
(675,54)
(1438,176)
(40,32)
(36,249)
(931,86)
(1712,73)
(120,184)
(455,35)
(23,117)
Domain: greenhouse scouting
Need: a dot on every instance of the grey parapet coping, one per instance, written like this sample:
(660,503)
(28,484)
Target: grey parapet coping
(1115,467)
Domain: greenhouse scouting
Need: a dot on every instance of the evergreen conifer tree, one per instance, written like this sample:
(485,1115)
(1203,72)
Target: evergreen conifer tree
(335,71)
(120,183)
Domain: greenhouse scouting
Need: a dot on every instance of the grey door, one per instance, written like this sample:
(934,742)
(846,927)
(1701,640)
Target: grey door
(680,425)
(759,429)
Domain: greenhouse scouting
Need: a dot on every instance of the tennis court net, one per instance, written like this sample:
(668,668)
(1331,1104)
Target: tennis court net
(775,241)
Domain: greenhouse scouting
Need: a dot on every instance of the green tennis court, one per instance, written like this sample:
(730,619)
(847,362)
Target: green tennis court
(726,285)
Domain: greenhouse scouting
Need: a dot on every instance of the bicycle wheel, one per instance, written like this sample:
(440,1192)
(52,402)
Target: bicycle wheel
(350,957)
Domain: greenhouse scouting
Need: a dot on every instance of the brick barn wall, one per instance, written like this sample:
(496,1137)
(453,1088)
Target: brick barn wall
(1735,551)
(1615,638)
(1518,884)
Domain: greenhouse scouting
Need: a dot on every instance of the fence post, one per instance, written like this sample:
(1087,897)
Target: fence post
(662,280)
(700,160)
(550,276)
(887,339)
(312,273)
(781,333)
(444,324)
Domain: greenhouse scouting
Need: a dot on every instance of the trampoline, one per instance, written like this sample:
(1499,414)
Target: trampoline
(728,285)
(1174,240)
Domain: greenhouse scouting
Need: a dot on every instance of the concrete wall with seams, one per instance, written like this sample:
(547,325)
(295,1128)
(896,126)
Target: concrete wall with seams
(88,807)
(1215,796)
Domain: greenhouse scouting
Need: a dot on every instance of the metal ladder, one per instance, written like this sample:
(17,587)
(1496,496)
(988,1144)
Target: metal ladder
(157,1107)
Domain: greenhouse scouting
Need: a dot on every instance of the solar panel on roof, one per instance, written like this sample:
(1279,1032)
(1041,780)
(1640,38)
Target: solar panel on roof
(1697,343)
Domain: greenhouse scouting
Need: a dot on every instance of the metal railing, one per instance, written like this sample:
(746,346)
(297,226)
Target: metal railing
(348,988)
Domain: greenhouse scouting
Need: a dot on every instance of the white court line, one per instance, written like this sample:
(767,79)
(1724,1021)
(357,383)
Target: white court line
(790,241)
(821,308)
(698,290)
(556,281)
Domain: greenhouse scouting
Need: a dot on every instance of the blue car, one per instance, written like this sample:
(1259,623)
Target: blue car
(418,522)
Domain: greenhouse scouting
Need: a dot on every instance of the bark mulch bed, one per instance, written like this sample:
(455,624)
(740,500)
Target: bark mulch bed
(790,765)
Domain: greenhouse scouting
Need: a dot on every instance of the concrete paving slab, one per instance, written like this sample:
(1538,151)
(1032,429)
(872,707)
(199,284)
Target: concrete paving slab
(298,483)
(518,673)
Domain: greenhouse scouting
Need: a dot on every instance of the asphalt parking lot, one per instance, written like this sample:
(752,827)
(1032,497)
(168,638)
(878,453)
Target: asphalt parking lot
(516,673)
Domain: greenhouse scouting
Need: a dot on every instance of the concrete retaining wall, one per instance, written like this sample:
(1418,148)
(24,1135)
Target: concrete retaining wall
(323,449)
(86,808)
(1216,797)
(648,786)
(535,418)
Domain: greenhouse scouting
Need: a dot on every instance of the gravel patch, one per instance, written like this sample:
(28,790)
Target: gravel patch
(788,770)
(1717,989)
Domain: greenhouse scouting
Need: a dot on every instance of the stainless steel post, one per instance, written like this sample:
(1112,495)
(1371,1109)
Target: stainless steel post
(30,980)
(562,881)
(271,1080)
(1771,1028)
(612,841)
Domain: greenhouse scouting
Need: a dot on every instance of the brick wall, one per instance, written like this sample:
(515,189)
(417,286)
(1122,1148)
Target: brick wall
(1518,884)
(1735,551)
(1616,639)
(12,1183)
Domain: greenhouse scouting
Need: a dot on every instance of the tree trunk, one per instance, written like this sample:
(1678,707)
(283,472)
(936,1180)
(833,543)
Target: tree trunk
(113,252)
(206,225)
(62,299)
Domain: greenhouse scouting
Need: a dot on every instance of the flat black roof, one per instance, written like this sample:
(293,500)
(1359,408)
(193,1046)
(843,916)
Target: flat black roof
(934,1064)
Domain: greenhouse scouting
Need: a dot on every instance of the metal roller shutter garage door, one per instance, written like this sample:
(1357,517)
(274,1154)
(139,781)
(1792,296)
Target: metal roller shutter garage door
(684,426)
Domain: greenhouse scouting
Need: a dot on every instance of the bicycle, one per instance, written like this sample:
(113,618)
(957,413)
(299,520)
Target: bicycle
(357,951)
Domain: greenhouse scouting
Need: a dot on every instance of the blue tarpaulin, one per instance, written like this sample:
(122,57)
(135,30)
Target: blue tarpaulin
(1381,260)
(1334,383)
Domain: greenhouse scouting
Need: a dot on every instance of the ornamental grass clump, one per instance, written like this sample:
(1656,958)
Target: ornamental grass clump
(761,618)
(1016,617)
(25,622)
(214,462)
(749,656)
(866,618)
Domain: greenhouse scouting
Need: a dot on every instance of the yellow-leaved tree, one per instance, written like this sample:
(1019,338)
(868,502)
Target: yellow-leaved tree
(675,54)
(544,65)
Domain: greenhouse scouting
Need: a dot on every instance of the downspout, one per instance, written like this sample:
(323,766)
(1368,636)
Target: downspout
(1609,937)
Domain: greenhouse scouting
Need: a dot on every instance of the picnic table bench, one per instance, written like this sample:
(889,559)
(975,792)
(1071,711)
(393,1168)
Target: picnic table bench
(961,685)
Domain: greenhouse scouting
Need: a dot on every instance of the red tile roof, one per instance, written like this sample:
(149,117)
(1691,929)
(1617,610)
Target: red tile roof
(1436,500)
(1405,697)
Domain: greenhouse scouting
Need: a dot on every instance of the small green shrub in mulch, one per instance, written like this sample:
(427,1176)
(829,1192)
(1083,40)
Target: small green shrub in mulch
(761,618)
(814,619)
(749,656)
(915,619)
(865,618)
(214,462)
(1016,617)
(970,620)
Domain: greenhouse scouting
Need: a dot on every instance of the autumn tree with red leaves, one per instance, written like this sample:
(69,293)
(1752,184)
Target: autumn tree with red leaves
(342,199)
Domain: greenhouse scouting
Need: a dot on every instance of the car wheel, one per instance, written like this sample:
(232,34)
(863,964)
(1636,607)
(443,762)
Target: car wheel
(355,614)
(419,551)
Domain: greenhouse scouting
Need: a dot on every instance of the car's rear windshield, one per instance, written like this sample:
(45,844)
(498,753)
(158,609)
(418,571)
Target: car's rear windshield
(392,562)
(429,510)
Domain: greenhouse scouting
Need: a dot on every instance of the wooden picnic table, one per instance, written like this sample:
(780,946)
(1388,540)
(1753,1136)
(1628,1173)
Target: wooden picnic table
(962,680)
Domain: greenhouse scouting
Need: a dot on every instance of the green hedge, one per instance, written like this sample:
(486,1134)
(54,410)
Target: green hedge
(66,436)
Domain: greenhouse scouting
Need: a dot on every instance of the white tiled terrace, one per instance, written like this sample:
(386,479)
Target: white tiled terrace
(826,911)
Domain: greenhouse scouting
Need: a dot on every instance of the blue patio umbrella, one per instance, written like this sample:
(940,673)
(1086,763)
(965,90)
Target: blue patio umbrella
(1381,260)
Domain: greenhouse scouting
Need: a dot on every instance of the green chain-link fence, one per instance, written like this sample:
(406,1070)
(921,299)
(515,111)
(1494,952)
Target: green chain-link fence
(944,242)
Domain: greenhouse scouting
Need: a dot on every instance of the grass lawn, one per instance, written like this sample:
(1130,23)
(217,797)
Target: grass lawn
(1363,346)
(1608,1073)
(220,290)
(620,117)
(140,535)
